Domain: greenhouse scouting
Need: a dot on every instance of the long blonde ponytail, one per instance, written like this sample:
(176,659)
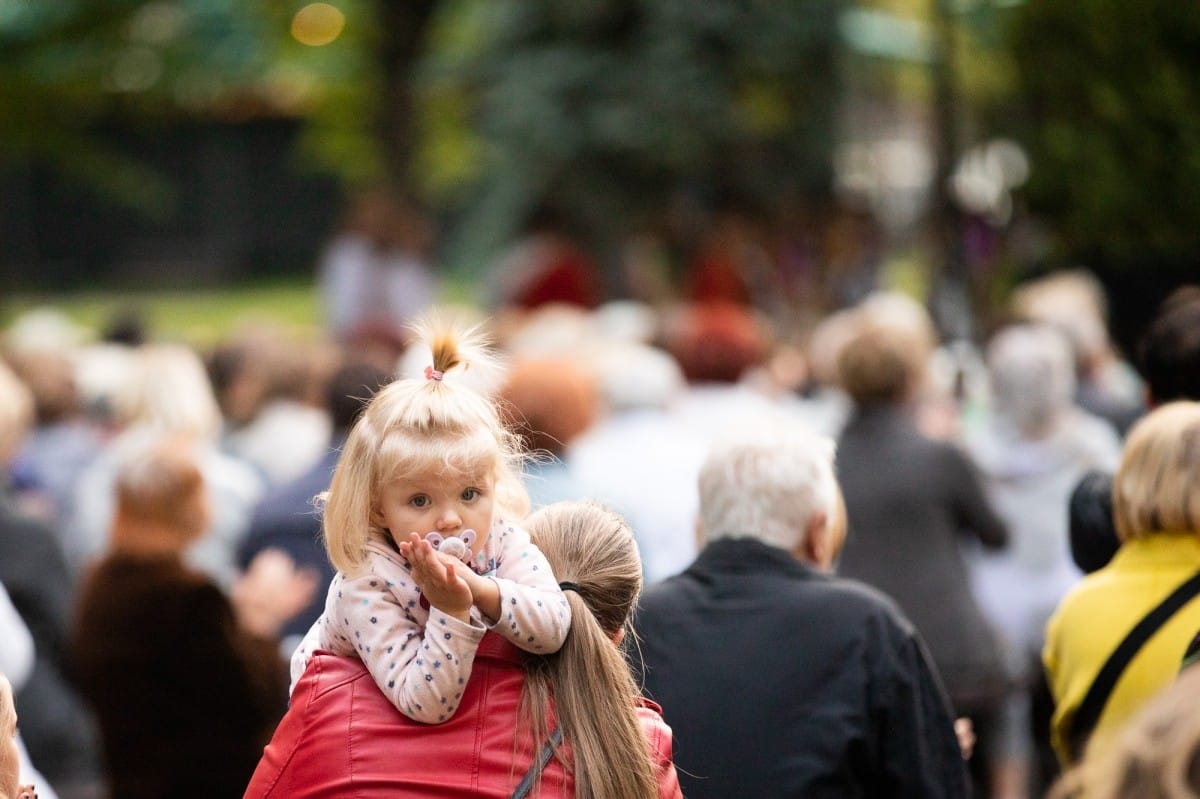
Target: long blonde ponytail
(588,681)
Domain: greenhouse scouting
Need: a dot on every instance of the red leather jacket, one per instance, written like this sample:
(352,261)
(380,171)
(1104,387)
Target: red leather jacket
(341,737)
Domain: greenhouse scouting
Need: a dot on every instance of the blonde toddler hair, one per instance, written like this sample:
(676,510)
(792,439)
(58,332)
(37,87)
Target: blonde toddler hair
(414,425)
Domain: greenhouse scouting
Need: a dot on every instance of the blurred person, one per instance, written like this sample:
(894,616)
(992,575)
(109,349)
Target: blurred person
(168,390)
(16,663)
(263,382)
(58,729)
(639,459)
(718,346)
(935,394)
(778,678)
(794,241)
(186,684)
(103,374)
(421,524)
(731,263)
(829,404)
(1075,301)
(644,267)
(912,501)
(286,520)
(1157,515)
(545,265)
(626,321)
(62,441)
(1168,357)
(607,742)
(549,402)
(1154,755)
(44,327)
(1033,445)
(126,325)
(374,276)
(554,329)
(852,254)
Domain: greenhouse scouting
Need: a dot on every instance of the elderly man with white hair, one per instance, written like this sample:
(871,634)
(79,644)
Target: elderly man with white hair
(779,678)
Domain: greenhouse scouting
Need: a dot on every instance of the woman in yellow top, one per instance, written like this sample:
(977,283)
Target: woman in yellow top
(1156,508)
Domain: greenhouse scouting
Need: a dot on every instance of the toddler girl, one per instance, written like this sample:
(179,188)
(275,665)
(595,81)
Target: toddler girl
(420,524)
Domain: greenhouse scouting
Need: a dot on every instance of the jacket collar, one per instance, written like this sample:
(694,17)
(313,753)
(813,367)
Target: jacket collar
(1160,551)
(881,413)
(748,555)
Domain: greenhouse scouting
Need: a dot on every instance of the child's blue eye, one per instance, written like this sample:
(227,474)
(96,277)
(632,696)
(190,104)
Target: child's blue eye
(419,501)
(470,493)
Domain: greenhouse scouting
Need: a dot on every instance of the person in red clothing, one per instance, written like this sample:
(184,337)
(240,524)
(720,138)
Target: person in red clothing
(571,723)
(546,265)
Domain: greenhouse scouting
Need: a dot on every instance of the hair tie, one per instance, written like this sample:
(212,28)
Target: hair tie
(433,374)
(567,585)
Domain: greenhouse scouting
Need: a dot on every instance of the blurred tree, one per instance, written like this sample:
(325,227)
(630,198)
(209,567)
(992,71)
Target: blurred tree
(1112,91)
(604,110)
(72,70)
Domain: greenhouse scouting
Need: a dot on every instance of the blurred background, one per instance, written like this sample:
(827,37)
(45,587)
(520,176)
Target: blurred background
(197,156)
(214,214)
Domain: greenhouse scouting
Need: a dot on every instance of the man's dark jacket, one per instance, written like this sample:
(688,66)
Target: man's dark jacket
(782,681)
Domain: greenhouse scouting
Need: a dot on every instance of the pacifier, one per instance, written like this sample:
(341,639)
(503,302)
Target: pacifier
(456,546)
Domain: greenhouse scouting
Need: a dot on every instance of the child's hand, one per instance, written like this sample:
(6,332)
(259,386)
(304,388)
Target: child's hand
(438,578)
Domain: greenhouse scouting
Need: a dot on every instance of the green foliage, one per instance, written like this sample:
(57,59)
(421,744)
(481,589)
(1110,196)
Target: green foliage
(71,68)
(1113,126)
(602,109)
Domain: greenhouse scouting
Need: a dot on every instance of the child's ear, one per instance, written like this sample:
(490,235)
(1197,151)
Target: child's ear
(377,517)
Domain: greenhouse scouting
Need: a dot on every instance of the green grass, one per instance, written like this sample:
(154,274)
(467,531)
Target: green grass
(200,317)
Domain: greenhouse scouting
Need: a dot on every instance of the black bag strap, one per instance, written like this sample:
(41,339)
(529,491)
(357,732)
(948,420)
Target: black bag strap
(526,784)
(1085,718)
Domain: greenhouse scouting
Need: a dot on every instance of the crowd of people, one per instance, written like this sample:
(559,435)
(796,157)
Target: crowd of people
(680,548)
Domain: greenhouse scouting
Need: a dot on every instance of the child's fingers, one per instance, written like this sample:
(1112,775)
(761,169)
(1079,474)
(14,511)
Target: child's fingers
(409,545)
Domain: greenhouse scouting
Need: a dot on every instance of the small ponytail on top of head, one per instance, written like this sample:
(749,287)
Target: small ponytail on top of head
(444,346)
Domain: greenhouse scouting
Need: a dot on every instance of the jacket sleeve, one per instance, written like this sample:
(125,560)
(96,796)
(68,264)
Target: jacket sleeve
(303,652)
(661,741)
(535,615)
(918,751)
(972,510)
(421,667)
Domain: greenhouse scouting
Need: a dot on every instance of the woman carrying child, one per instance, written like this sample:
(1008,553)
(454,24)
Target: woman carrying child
(567,724)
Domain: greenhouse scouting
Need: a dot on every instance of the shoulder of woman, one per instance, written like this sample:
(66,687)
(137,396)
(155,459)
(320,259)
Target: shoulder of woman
(655,729)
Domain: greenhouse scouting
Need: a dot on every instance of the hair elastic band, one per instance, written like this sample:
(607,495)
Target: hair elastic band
(433,374)
(566,585)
